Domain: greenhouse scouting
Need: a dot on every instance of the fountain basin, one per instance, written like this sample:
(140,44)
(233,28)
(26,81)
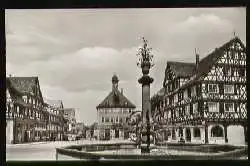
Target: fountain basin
(129,151)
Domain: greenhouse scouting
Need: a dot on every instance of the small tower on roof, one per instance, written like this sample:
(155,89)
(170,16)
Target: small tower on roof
(115,81)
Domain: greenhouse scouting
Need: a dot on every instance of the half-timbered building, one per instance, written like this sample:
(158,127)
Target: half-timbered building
(55,119)
(205,101)
(28,117)
(24,113)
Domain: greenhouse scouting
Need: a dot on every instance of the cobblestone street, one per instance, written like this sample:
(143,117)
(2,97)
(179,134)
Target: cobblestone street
(43,150)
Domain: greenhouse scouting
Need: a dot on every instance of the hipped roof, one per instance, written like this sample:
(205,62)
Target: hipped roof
(115,99)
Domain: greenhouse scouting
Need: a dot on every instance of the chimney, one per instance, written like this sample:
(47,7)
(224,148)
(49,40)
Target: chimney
(122,91)
(197,59)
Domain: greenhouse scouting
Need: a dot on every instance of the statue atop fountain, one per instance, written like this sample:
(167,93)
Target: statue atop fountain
(145,63)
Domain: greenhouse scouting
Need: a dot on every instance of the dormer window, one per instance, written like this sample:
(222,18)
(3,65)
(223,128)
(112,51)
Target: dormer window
(25,99)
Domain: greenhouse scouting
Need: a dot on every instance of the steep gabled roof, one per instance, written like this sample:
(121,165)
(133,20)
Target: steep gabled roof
(53,103)
(24,84)
(182,69)
(207,62)
(161,92)
(116,99)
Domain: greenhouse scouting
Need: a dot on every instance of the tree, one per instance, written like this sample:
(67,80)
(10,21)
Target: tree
(134,121)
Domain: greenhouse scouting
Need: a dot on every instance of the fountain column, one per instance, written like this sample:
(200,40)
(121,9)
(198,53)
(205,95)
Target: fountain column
(145,63)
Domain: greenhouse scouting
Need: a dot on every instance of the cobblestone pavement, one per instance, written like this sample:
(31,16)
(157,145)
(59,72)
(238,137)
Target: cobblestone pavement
(47,150)
(43,150)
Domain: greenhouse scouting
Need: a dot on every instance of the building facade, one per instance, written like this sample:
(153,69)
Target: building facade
(54,117)
(28,117)
(206,102)
(69,115)
(24,114)
(113,113)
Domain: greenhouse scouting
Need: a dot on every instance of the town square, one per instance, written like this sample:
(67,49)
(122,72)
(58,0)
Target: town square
(126,84)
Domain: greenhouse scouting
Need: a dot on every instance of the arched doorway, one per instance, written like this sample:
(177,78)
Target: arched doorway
(126,134)
(217,131)
(107,134)
(197,132)
(116,133)
(173,134)
(166,134)
(25,136)
(188,135)
(180,132)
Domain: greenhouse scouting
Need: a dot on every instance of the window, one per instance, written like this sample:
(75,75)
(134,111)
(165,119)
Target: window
(120,120)
(195,108)
(17,110)
(217,131)
(106,119)
(197,132)
(213,107)
(175,98)
(193,91)
(241,72)
(25,99)
(117,119)
(229,107)
(111,119)
(212,88)
(228,89)
(102,119)
(177,113)
(187,109)
(180,132)
(185,94)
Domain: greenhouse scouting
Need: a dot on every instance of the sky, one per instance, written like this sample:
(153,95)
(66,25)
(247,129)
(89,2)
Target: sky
(75,52)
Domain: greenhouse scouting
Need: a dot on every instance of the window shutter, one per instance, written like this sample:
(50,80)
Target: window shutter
(235,106)
(235,89)
(189,92)
(206,87)
(197,90)
(221,89)
(221,109)
(191,109)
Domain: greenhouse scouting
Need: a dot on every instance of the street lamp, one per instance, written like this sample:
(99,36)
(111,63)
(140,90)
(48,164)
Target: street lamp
(145,62)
